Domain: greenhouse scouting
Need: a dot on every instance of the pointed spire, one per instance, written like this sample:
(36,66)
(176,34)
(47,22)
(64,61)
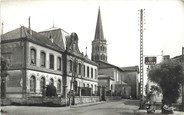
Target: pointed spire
(99,29)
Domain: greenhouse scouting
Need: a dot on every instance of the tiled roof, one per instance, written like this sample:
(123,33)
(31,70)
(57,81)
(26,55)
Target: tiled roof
(35,37)
(58,35)
(102,76)
(121,83)
(108,65)
(131,68)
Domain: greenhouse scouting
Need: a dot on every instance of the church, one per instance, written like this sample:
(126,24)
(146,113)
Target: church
(119,81)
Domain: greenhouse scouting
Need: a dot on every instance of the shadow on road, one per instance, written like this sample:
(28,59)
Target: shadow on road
(132,102)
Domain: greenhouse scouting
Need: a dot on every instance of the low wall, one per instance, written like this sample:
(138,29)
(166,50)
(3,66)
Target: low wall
(48,101)
(86,99)
(39,101)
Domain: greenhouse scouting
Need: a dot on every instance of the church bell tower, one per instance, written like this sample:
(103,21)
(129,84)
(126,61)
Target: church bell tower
(99,44)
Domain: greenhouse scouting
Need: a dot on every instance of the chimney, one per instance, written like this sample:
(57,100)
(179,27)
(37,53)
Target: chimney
(30,32)
(86,52)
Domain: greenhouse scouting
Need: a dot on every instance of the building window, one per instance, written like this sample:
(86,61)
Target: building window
(101,57)
(51,81)
(71,65)
(43,59)
(87,71)
(84,70)
(33,56)
(79,69)
(96,57)
(102,48)
(58,63)
(59,86)
(91,72)
(97,48)
(42,84)
(32,84)
(51,62)
(95,73)
(92,88)
(83,84)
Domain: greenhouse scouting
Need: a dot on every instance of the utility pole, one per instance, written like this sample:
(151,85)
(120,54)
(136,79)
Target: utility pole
(141,20)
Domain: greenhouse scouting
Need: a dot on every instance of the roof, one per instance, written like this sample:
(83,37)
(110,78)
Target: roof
(108,65)
(24,33)
(102,76)
(57,34)
(179,58)
(130,68)
(121,83)
(86,59)
(99,29)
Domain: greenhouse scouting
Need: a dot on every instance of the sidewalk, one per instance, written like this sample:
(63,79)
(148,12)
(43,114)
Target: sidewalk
(157,112)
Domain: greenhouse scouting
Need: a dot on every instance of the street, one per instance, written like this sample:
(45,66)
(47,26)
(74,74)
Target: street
(115,107)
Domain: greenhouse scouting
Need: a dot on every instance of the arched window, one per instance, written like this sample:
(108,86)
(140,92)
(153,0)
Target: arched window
(88,85)
(101,48)
(79,69)
(97,48)
(83,84)
(51,61)
(33,56)
(96,57)
(84,70)
(42,84)
(43,59)
(51,81)
(59,63)
(71,65)
(59,86)
(87,71)
(32,84)
(91,72)
(101,57)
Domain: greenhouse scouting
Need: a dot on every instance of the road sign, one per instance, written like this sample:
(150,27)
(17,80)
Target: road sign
(150,60)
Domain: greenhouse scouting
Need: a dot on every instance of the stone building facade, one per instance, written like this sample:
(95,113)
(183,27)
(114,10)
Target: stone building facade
(51,56)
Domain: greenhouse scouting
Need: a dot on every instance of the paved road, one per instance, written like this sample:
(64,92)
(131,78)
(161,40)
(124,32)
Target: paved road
(120,107)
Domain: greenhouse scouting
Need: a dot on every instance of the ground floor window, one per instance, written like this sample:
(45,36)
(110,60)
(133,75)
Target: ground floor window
(32,84)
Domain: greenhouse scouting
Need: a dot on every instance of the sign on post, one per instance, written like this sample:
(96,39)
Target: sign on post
(150,60)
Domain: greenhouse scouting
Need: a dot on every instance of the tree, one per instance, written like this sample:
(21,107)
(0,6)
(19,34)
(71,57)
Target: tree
(169,76)
(51,90)
(4,67)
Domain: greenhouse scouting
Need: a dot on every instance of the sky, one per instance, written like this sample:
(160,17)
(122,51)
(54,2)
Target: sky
(164,24)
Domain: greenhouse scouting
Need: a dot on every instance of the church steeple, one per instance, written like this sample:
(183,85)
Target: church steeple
(99,30)
(99,44)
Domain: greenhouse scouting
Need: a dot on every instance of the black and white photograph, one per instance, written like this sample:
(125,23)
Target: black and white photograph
(92,57)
